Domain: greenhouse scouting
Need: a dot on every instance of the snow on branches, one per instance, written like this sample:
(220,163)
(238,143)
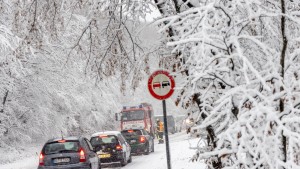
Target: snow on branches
(62,64)
(241,63)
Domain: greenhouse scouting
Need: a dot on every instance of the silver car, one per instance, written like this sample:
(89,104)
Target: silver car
(68,153)
(111,148)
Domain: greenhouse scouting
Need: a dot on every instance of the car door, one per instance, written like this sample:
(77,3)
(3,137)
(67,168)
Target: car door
(94,160)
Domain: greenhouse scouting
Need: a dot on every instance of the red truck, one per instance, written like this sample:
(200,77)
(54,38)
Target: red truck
(137,117)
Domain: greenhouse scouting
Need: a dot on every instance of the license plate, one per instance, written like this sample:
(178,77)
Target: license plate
(104,155)
(132,141)
(61,160)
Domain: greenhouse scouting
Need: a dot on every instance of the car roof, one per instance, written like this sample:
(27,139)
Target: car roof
(107,133)
(133,129)
(72,138)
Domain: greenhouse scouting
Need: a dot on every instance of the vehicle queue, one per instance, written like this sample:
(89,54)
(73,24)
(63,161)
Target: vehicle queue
(107,148)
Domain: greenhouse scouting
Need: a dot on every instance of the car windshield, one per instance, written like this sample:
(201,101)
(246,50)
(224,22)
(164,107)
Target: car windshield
(103,139)
(133,115)
(130,133)
(65,147)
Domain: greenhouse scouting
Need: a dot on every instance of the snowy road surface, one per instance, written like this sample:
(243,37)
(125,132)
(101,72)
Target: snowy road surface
(180,157)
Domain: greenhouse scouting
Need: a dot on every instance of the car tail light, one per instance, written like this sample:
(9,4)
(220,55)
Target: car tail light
(118,147)
(142,139)
(41,159)
(82,156)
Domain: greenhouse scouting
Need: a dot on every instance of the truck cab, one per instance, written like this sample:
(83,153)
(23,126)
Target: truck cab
(141,116)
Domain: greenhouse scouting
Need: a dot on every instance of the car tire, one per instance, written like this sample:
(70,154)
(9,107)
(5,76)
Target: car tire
(152,146)
(99,164)
(147,150)
(130,159)
(124,161)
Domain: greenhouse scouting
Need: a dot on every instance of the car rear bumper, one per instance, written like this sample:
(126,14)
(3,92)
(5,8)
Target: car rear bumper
(115,158)
(70,166)
(110,163)
(138,148)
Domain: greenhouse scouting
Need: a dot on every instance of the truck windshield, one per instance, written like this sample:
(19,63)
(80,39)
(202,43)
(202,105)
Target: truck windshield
(133,115)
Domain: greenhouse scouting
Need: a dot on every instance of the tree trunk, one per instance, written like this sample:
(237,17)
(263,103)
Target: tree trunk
(4,101)
(282,63)
(217,164)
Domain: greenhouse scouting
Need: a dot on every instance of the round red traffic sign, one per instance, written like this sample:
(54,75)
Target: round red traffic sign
(161,84)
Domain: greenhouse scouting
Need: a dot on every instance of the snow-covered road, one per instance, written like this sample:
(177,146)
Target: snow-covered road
(180,156)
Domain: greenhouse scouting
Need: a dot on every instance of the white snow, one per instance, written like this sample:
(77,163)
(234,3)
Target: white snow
(180,155)
(180,151)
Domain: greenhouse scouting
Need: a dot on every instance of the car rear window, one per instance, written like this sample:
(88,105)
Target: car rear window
(128,133)
(64,147)
(104,139)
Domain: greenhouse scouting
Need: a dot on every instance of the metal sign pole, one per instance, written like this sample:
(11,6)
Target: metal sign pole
(166,134)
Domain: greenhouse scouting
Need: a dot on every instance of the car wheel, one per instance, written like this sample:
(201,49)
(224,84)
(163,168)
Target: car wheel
(99,163)
(130,159)
(152,146)
(124,161)
(147,149)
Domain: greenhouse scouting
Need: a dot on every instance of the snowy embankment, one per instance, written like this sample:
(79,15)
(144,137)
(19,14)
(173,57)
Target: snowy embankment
(180,150)
(27,158)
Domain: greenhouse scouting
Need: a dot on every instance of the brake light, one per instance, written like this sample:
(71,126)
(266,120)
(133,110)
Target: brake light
(82,156)
(118,147)
(130,131)
(61,141)
(41,159)
(142,139)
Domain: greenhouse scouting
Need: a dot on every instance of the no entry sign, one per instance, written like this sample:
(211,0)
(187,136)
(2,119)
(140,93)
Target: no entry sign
(161,84)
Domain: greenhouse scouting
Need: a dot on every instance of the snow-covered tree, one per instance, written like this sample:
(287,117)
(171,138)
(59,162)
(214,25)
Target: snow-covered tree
(241,65)
(62,64)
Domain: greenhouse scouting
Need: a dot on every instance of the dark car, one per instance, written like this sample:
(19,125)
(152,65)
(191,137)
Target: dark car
(68,153)
(111,148)
(140,140)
